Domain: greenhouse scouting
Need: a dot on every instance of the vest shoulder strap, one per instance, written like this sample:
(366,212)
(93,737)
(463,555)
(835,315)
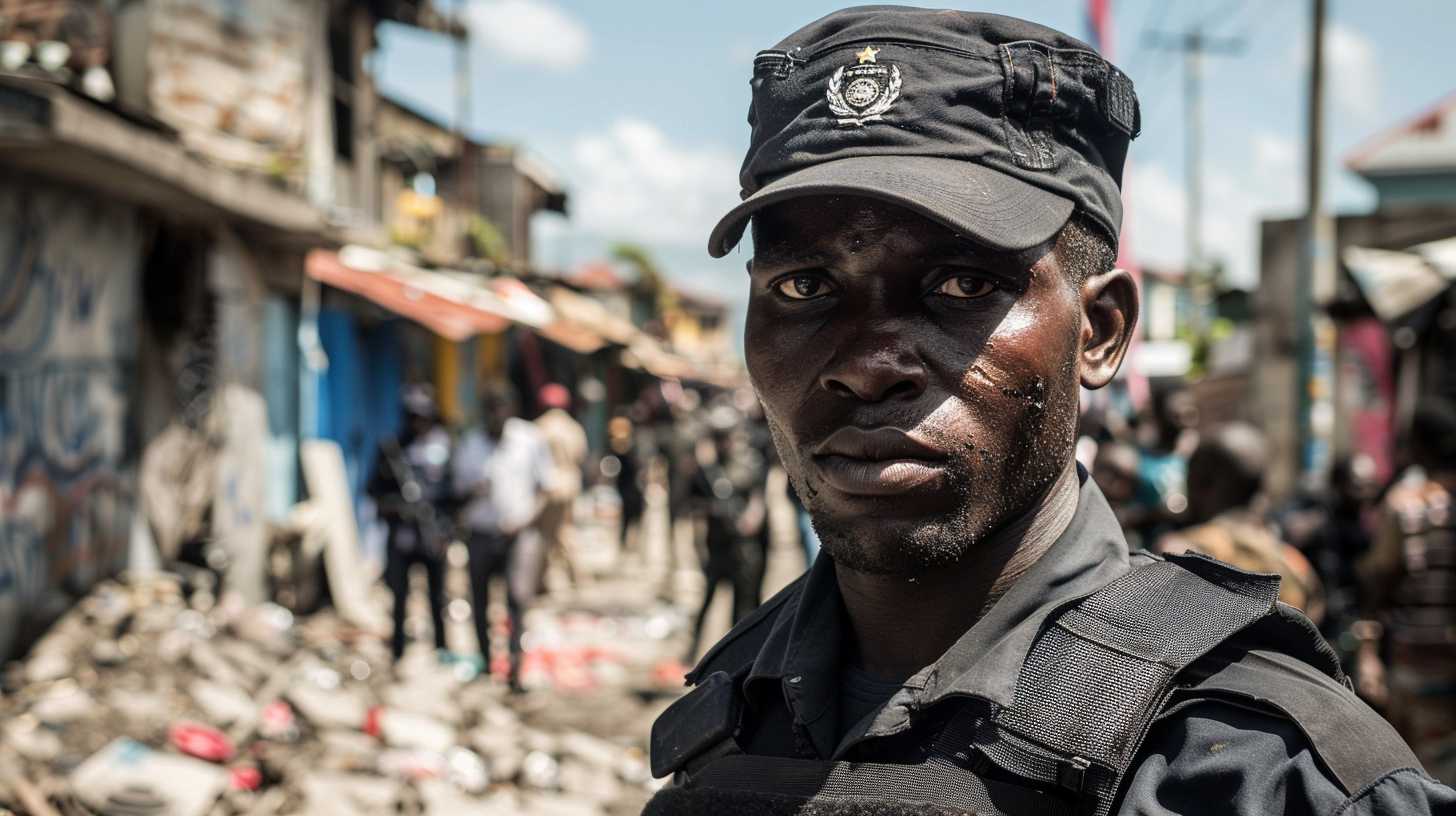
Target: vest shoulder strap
(695,723)
(1355,744)
(1102,670)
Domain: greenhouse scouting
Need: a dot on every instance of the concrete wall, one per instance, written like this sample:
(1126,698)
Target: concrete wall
(69,271)
(240,415)
(232,77)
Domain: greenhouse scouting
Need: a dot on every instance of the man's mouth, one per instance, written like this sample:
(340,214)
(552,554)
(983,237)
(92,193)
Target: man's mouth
(878,462)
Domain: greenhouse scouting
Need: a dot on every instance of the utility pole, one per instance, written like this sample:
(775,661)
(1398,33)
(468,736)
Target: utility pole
(1194,44)
(460,32)
(1316,250)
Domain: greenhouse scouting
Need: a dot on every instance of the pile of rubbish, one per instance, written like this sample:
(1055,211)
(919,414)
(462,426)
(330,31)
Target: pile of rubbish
(146,699)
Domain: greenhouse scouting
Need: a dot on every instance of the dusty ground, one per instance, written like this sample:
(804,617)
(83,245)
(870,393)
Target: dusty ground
(308,716)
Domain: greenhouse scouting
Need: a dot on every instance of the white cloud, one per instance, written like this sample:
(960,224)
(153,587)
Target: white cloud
(631,182)
(1273,153)
(1233,204)
(1157,205)
(1352,70)
(529,32)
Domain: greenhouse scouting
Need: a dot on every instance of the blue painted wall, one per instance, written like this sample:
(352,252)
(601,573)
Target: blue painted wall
(359,397)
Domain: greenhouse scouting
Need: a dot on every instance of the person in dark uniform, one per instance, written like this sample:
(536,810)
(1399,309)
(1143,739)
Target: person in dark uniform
(410,484)
(935,210)
(729,493)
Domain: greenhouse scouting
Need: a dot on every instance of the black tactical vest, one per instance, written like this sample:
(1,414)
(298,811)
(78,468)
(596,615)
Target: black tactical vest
(1097,676)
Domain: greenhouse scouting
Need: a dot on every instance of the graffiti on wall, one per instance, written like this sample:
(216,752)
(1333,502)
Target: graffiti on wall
(68,313)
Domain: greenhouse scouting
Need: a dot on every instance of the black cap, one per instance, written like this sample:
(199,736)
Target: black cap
(996,127)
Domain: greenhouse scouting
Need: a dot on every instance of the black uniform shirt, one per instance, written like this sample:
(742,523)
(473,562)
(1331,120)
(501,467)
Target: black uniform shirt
(1204,757)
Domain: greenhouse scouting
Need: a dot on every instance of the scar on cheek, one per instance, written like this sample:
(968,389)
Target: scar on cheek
(1033,394)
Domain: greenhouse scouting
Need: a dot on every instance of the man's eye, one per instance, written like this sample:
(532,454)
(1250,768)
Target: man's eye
(801,287)
(965,287)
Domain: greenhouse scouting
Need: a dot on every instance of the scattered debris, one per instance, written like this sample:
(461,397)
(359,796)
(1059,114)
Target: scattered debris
(155,696)
(127,777)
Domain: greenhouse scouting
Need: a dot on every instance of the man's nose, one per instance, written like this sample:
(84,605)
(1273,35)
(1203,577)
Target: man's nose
(875,367)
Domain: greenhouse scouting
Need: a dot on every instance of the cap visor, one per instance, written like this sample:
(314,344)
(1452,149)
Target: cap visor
(986,205)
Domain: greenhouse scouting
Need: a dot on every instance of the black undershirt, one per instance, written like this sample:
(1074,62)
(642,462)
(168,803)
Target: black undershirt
(860,694)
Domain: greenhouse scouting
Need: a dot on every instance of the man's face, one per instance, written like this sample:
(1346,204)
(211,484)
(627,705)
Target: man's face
(497,411)
(922,391)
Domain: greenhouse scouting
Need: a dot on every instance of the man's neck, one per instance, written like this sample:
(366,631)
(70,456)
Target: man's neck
(900,624)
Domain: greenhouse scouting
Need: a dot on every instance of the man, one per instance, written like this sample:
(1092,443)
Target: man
(1410,589)
(501,473)
(410,485)
(934,202)
(729,492)
(1115,469)
(622,439)
(566,442)
(1225,476)
(1166,439)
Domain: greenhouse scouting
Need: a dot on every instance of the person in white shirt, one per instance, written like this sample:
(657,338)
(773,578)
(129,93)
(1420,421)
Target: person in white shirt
(500,472)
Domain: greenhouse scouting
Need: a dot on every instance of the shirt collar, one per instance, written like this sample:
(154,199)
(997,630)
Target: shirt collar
(802,649)
(986,662)
(801,655)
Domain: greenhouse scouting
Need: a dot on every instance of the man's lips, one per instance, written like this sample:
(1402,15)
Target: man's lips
(879,462)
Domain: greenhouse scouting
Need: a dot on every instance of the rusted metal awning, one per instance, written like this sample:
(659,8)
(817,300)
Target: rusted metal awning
(555,325)
(650,355)
(590,315)
(1398,283)
(452,308)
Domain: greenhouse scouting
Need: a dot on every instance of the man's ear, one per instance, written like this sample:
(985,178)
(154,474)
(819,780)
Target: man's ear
(1109,314)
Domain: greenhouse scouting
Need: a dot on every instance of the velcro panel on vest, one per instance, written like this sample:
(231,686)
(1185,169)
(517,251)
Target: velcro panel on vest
(699,720)
(873,787)
(1096,678)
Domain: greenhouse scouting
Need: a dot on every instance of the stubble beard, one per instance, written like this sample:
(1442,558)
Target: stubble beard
(1024,466)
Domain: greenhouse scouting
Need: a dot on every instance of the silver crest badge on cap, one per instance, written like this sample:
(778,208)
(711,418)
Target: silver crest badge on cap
(863,92)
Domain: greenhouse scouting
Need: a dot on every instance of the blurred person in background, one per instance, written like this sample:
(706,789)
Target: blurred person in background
(729,492)
(808,537)
(1409,580)
(410,486)
(628,472)
(1165,439)
(1225,477)
(1115,468)
(757,449)
(1333,529)
(501,474)
(567,443)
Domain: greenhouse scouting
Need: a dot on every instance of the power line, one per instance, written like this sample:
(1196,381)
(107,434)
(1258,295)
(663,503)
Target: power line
(1160,8)
(1224,13)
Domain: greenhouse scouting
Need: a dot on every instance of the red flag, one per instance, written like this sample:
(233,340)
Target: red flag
(1100,32)
(1099,24)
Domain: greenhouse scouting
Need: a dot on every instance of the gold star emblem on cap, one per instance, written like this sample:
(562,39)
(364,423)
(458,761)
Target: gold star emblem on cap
(867,55)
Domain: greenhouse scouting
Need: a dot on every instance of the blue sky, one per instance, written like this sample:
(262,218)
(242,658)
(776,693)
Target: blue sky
(640,107)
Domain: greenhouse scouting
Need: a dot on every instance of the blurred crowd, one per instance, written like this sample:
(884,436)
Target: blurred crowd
(1372,565)
(509,489)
